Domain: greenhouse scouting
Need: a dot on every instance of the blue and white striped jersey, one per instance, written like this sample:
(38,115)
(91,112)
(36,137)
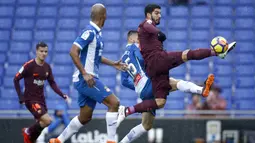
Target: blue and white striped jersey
(135,78)
(91,44)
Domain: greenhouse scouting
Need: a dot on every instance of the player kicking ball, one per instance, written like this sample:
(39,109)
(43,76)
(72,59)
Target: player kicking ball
(135,79)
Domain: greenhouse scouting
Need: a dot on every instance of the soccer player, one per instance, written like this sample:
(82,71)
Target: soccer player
(86,53)
(35,72)
(158,62)
(135,79)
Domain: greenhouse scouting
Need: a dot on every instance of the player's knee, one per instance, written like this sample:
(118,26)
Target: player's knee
(147,126)
(84,120)
(161,102)
(115,105)
(46,122)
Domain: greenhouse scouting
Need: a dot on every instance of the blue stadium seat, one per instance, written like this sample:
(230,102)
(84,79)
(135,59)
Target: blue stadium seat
(9,104)
(229,59)
(27,2)
(50,93)
(200,35)
(219,2)
(51,103)
(204,62)
(7,11)
(244,23)
(7,1)
(224,33)
(112,2)
(17,58)
(63,82)
(62,59)
(11,70)
(47,11)
(177,23)
(8,82)
(73,93)
(174,105)
(128,102)
(223,11)
(179,11)
(63,47)
(4,46)
(136,11)
(110,82)
(132,23)
(114,11)
(66,35)
(200,11)
(20,47)
(245,11)
(246,47)
(62,70)
(74,105)
(244,93)
(126,93)
(176,46)
(198,44)
(111,35)
(70,2)
(68,23)
(113,23)
(112,47)
(69,11)
(243,82)
(105,70)
(227,93)
(8,93)
(244,35)
(199,23)
(85,11)
(222,70)
(245,2)
(91,2)
(49,2)
(44,35)
(245,70)
(144,2)
(5,23)
(46,23)
(24,23)
(200,2)
(246,58)
(22,35)
(4,35)
(2,58)
(223,23)
(224,81)
(245,105)
(25,11)
(199,70)
(113,56)
(83,23)
(1,71)
(198,79)
(178,71)
(177,35)
(176,95)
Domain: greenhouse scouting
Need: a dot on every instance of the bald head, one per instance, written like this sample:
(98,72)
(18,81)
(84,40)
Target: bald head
(98,12)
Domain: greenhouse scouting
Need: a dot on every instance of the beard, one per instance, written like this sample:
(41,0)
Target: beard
(153,19)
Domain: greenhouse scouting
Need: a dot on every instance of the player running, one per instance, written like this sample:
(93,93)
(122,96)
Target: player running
(86,53)
(35,72)
(135,78)
(158,62)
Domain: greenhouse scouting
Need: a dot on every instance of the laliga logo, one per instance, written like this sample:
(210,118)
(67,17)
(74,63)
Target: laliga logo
(90,138)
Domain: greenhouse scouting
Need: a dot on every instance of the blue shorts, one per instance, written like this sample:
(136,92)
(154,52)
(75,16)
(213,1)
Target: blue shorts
(147,94)
(90,96)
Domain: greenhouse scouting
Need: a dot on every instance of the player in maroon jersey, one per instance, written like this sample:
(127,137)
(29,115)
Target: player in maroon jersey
(35,72)
(158,62)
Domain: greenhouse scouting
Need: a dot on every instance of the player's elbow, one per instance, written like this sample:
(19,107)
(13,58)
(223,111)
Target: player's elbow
(160,102)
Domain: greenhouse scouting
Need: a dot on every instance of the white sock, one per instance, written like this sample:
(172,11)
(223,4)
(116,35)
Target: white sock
(134,133)
(41,138)
(71,129)
(186,86)
(111,124)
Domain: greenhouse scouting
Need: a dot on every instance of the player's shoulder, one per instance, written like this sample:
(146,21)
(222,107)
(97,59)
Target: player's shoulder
(28,63)
(87,32)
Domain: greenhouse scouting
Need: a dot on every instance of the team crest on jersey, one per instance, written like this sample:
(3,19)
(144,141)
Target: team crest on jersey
(107,89)
(47,73)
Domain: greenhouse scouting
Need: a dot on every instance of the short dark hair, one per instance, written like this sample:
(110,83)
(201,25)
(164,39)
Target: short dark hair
(41,44)
(150,8)
(131,32)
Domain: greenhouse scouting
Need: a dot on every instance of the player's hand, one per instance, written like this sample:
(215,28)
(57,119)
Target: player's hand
(68,100)
(89,79)
(120,66)
(161,36)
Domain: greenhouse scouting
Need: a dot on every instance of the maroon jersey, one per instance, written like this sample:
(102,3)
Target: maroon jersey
(148,38)
(34,76)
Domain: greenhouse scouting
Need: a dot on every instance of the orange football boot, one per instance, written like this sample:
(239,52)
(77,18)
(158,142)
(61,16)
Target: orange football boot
(26,136)
(55,140)
(208,83)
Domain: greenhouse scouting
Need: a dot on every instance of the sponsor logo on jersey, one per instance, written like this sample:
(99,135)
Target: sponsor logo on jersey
(38,82)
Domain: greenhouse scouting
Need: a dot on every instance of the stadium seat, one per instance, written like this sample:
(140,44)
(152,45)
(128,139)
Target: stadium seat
(246,47)
(27,2)
(128,102)
(177,35)
(85,11)
(132,23)
(46,23)
(222,70)
(199,23)
(229,59)
(127,94)
(144,2)
(2,58)
(22,35)
(244,2)
(69,11)
(224,81)
(245,105)
(204,62)
(227,93)
(70,2)
(62,70)
(177,23)
(44,35)
(223,11)
(24,23)
(73,93)
(245,70)
(47,11)
(244,93)
(223,23)
(8,82)
(4,35)
(7,11)
(11,70)
(112,47)
(246,58)
(113,23)
(83,23)
(174,105)
(25,11)
(112,2)
(51,103)
(200,11)
(9,104)
(64,47)
(8,93)
(244,35)
(111,35)
(200,35)
(198,44)
(200,70)
(245,11)
(7,2)
(50,93)
(176,95)
(66,35)
(179,11)
(4,46)
(222,2)
(63,82)
(68,23)
(74,105)
(5,23)
(17,58)
(91,2)
(176,46)
(105,70)
(49,2)
(113,56)
(134,11)
(243,82)
(178,71)
(114,11)
(244,23)
(62,59)
(1,72)
(20,47)
(110,82)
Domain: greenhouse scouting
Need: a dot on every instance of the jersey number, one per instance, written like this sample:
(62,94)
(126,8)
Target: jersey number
(131,67)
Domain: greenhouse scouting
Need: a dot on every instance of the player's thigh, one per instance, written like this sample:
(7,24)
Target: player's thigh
(86,113)
(161,86)
(147,120)
(173,83)
(37,109)
(174,59)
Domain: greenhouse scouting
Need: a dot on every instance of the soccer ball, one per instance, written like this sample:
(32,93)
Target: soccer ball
(219,44)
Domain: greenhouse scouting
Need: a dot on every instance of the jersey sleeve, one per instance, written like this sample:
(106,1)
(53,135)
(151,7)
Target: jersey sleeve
(127,81)
(86,38)
(150,28)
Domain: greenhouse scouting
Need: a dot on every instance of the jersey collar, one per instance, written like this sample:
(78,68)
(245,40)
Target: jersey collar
(95,26)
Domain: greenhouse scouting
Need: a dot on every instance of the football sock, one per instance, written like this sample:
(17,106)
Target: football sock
(111,124)
(71,129)
(200,54)
(134,133)
(186,86)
